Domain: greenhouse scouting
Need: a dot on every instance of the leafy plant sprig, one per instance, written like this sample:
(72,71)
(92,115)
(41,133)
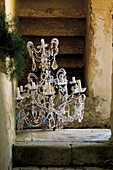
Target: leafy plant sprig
(13,46)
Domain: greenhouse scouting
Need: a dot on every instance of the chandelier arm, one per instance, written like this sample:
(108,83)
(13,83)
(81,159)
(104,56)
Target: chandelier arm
(32,75)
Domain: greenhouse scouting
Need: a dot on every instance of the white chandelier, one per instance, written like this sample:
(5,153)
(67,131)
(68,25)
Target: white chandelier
(44,101)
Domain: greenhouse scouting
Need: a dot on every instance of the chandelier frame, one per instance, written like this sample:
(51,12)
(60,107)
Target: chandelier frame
(44,102)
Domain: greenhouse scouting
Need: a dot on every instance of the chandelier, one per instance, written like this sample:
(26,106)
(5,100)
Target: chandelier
(45,102)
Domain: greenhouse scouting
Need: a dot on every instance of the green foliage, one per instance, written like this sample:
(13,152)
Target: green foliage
(13,46)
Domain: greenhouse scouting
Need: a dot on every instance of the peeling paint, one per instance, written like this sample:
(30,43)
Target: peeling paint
(99,58)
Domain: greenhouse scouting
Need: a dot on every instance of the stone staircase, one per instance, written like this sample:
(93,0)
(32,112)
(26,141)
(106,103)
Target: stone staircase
(64,20)
(63,148)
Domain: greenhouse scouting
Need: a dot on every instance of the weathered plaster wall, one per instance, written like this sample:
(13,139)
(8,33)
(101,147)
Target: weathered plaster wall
(7,133)
(10,7)
(98,62)
(111,118)
(7,117)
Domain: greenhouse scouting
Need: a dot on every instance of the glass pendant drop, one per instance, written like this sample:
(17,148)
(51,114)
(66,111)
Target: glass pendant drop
(54,65)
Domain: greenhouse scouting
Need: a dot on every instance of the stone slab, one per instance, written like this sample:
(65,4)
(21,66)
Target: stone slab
(91,153)
(50,8)
(51,13)
(53,27)
(59,168)
(65,135)
(34,153)
(68,147)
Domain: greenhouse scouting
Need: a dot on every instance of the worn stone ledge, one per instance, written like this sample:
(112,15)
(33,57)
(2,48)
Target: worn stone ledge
(67,147)
(60,168)
(53,27)
(51,13)
(91,153)
(56,8)
(61,154)
(41,154)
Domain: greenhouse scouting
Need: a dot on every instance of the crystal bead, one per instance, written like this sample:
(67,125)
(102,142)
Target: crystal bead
(54,65)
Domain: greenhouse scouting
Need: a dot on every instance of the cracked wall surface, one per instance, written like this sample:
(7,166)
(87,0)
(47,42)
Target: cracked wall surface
(98,62)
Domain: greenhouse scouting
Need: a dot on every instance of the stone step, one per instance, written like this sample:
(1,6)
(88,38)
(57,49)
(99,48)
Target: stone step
(76,147)
(61,154)
(53,26)
(50,13)
(51,9)
(60,168)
